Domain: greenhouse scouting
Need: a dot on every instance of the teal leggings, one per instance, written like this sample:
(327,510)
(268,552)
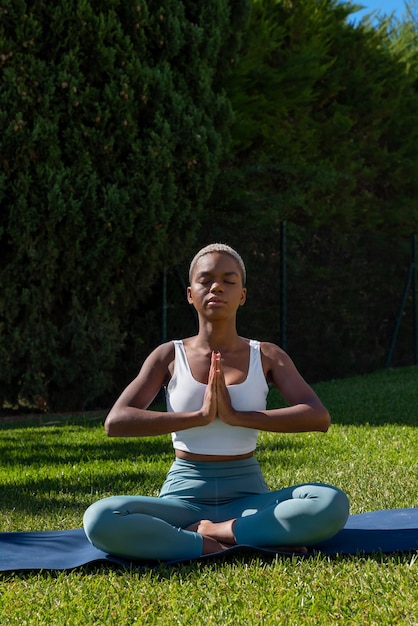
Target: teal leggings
(141,527)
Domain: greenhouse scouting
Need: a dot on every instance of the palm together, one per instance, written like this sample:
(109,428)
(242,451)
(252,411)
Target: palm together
(217,401)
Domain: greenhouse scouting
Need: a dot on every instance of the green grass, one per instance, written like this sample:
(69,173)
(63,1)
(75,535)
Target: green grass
(52,468)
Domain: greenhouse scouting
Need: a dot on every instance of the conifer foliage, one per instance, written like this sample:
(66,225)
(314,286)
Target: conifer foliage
(325,129)
(112,125)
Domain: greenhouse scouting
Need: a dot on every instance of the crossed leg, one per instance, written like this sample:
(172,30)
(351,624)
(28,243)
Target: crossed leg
(291,518)
(173,528)
(142,527)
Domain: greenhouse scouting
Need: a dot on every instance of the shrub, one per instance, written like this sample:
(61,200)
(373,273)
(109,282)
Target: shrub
(113,123)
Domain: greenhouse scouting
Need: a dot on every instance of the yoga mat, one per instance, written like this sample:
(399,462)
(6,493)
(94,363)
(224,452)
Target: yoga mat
(387,531)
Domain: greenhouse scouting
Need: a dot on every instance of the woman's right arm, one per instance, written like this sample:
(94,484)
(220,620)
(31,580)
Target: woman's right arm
(130,416)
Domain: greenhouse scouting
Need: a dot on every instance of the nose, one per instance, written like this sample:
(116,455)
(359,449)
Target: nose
(216,286)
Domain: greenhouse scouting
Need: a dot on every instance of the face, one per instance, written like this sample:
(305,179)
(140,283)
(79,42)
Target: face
(216,287)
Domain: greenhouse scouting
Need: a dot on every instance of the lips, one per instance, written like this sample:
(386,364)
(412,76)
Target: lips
(215,302)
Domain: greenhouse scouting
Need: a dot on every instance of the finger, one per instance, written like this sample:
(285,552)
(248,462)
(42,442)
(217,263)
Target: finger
(218,362)
(220,368)
(212,369)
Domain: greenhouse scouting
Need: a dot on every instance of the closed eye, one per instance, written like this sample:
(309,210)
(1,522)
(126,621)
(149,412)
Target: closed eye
(205,279)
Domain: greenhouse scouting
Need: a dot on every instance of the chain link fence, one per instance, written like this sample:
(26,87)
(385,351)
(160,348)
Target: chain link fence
(340,303)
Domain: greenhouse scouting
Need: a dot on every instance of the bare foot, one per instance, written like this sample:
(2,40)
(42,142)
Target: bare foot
(222,532)
(210,546)
(218,536)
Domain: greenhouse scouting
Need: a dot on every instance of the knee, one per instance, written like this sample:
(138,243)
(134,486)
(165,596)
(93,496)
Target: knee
(337,506)
(330,510)
(331,500)
(96,516)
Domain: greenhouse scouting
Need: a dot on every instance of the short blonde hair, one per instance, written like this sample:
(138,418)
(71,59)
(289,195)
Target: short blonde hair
(219,247)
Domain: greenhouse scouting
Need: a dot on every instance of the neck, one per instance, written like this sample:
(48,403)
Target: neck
(218,337)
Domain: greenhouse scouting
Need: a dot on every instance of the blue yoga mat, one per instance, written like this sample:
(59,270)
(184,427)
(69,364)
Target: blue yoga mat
(387,531)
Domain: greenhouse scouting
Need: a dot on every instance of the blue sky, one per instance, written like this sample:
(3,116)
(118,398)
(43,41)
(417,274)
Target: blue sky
(383,6)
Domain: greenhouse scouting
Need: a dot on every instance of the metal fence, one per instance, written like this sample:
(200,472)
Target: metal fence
(340,303)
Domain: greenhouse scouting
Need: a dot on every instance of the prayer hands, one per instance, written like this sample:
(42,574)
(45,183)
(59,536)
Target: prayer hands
(217,401)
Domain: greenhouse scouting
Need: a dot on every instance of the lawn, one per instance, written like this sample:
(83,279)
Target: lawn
(53,467)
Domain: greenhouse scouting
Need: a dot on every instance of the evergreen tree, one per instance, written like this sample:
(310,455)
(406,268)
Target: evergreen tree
(112,125)
(325,125)
(325,136)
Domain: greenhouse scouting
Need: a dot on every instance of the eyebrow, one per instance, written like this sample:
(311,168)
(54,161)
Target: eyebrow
(203,274)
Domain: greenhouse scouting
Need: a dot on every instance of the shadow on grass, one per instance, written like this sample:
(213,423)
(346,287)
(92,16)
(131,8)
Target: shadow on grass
(60,446)
(385,397)
(14,420)
(57,468)
(162,571)
(74,493)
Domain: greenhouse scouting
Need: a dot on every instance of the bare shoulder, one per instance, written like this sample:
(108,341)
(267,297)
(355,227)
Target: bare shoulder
(277,364)
(273,353)
(160,358)
(163,352)
(154,374)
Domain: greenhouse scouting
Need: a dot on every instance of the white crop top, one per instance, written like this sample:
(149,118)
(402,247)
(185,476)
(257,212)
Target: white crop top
(185,393)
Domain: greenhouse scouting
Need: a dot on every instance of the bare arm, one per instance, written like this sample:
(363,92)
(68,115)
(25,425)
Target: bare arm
(130,416)
(304,413)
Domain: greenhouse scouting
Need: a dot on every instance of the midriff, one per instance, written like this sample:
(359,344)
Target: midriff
(190,456)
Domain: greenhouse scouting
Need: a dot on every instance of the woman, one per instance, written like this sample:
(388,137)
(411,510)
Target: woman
(214,495)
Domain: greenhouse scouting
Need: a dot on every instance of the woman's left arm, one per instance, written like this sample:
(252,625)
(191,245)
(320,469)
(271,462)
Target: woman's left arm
(304,413)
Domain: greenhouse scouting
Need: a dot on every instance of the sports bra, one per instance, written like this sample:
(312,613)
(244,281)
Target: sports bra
(185,393)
